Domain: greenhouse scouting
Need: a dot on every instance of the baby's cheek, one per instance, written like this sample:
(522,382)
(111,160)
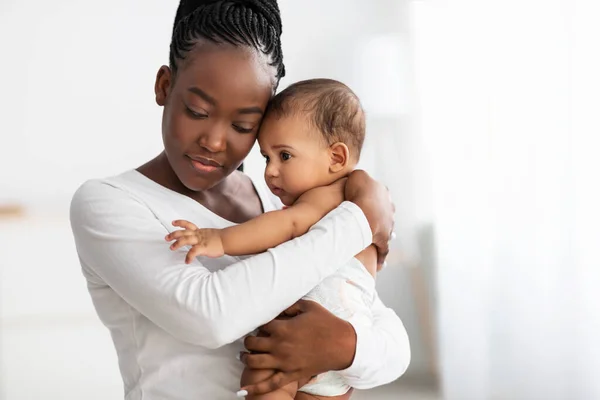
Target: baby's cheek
(311,181)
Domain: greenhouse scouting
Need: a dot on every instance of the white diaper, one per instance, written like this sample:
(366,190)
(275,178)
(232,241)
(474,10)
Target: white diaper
(348,294)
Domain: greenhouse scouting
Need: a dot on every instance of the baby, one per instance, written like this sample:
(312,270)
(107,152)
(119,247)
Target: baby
(311,137)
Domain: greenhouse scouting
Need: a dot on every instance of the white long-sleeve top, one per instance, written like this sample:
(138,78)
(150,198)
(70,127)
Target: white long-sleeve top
(177,327)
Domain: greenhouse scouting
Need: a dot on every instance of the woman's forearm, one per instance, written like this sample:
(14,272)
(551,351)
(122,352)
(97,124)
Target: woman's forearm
(121,241)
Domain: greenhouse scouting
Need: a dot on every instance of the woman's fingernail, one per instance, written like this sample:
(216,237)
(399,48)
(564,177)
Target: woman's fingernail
(238,356)
(384,264)
(393,235)
(242,393)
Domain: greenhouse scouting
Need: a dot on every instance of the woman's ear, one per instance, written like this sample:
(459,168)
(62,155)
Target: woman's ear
(339,156)
(162,86)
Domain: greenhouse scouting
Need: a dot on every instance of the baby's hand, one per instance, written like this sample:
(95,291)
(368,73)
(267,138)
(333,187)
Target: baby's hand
(204,242)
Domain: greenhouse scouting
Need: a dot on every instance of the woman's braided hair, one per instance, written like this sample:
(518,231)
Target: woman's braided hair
(254,23)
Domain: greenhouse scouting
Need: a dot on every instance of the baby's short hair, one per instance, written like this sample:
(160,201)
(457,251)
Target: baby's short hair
(331,107)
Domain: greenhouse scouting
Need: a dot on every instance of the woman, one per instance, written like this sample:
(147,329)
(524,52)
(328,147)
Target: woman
(177,327)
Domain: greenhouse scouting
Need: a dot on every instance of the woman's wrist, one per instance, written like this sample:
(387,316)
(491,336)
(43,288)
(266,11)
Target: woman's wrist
(361,190)
(376,203)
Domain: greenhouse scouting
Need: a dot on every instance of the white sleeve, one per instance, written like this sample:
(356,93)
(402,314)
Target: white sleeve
(382,350)
(122,242)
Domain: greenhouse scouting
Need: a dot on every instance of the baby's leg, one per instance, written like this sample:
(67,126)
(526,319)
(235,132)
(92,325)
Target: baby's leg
(250,376)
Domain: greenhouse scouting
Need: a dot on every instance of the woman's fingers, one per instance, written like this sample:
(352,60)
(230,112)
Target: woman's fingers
(276,381)
(383,249)
(381,256)
(259,361)
(296,308)
(274,328)
(257,344)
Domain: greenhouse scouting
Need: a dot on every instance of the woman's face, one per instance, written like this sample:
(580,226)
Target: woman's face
(213,107)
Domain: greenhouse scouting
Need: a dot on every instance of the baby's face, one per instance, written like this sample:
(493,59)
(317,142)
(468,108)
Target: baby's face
(297,157)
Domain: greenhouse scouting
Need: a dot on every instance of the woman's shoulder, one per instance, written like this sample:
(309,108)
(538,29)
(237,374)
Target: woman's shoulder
(107,187)
(96,195)
(125,203)
(125,194)
(127,197)
(130,183)
(113,207)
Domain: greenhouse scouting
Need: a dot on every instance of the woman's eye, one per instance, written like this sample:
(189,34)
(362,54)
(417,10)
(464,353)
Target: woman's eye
(266,159)
(242,129)
(285,156)
(195,114)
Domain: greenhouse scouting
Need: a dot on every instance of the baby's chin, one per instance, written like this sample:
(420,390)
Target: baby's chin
(286,199)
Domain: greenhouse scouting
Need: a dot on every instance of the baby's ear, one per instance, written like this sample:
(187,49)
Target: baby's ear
(339,156)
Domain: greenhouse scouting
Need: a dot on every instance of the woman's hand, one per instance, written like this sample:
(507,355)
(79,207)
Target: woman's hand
(306,340)
(375,201)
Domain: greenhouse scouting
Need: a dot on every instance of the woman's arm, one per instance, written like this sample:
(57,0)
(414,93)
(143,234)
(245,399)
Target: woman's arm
(122,241)
(375,201)
(310,340)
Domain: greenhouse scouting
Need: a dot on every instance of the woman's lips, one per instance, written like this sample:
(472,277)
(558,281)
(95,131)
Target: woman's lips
(203,164)
(202,167)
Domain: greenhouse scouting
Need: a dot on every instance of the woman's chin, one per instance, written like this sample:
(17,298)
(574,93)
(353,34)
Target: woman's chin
(198,183)
(197,180)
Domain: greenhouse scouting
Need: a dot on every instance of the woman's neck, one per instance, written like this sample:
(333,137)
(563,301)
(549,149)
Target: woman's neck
(234,198)
(159,170)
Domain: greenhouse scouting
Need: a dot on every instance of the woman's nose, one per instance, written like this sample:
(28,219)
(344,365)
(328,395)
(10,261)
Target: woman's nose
(214,138)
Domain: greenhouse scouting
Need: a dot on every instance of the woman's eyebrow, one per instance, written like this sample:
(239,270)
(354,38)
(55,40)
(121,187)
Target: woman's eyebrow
(201,93)
(251,110)
(211,100)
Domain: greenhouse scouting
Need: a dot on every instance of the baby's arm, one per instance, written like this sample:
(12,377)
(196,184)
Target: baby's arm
(263,232)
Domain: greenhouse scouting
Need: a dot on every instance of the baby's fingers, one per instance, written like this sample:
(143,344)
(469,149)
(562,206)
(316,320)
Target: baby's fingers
(184,241)
(182,223)
(178,234)
(194,252)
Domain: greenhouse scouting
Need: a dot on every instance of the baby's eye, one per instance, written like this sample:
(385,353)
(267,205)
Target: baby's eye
(285,156)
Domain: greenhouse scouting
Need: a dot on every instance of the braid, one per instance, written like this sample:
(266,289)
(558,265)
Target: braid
(253,23)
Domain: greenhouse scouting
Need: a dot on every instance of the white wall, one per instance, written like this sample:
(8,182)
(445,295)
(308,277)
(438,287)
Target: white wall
(508,95)
(78,91)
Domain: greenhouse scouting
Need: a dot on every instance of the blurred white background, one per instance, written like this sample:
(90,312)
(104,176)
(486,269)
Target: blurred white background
(481,120)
